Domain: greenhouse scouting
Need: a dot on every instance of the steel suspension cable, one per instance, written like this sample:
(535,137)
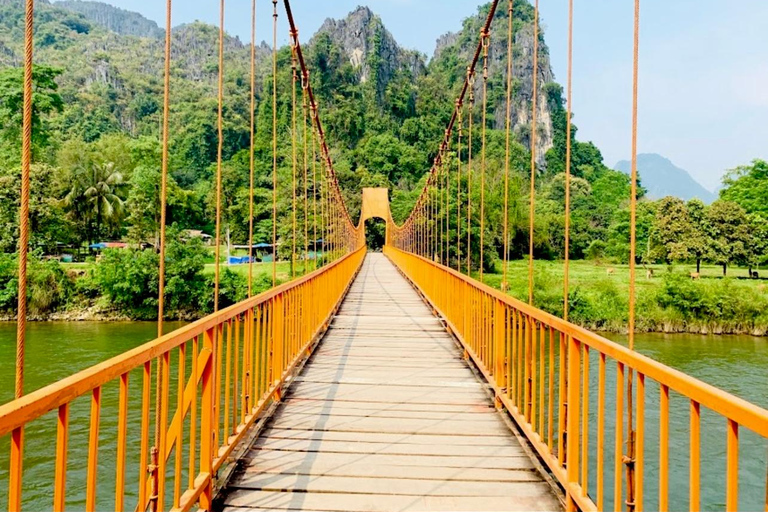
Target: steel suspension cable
(294,79)
(252,150)
(313,113)
(458,187)
(568,142)
(532,211)
(161,377)
(469,172)
(26,166)
(274,142)
(508,130)
(486,40)
(466,89)
(304,85)
(164,168)
(220,129)
(343,217)
(17,436)
(447,172)
(634,473)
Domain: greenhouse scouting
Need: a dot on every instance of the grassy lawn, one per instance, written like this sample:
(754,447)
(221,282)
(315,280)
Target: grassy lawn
(599,295)
(588,273)
(283,269)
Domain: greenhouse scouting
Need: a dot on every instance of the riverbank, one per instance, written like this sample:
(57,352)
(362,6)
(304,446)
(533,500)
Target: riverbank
(669,300)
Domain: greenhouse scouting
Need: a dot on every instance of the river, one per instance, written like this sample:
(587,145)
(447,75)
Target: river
(736,364)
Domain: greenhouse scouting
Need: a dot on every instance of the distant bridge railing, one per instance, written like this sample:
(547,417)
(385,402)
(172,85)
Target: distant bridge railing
(540,368)
(223,372)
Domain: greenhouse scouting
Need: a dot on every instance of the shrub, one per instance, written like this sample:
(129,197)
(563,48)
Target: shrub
(130,278)
(49,288)
(596,250)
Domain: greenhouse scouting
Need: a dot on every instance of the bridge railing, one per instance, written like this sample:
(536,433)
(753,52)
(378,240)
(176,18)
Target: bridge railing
(565,388)
(221,373)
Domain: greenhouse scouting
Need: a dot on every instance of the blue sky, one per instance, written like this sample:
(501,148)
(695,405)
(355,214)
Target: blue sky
(703,68)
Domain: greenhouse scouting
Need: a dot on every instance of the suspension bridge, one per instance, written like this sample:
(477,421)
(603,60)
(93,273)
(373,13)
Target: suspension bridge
(391,381)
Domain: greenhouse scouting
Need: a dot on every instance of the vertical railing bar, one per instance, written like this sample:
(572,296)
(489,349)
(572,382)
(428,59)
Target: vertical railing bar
(534,373)
(513,360)
(144,451)
(179,448)
(664,449)
(122,434)
(572,446)
(562,399)
(93,451)
(542,378)
(235,374)
(227,383)
(207,421)
(217,383)
(165,360)
(640,444)
(600,471)
(551,401)
(62,442)
(193,416)
(695,454)
(585,421)
(619,449)
(732,466)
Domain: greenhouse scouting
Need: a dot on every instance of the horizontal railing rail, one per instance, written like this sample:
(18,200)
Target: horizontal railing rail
(225,370)
(540,369)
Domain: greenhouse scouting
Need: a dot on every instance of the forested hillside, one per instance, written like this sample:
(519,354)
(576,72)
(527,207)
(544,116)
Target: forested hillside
(97,130)
(384,109)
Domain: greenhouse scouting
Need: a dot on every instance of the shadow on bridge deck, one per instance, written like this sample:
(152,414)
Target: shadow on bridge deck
(387,416)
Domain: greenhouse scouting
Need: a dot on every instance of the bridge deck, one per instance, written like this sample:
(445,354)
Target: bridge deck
(387,416)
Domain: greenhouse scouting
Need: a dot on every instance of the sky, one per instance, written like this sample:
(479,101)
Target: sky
(703,99)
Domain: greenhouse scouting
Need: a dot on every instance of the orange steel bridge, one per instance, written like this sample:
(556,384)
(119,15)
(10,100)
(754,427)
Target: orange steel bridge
(375,382)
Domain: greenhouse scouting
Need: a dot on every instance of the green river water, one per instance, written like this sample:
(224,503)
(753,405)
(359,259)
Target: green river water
(737,364)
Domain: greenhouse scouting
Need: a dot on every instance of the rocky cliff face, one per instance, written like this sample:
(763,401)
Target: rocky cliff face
(371,48)
(461,45)
(113,18)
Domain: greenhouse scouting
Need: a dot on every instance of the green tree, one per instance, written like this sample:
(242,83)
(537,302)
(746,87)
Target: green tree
(45,100)
(758,241)
(699,242)
(48,224)
(95,196)
(671,231)
(747,185)
(729,231)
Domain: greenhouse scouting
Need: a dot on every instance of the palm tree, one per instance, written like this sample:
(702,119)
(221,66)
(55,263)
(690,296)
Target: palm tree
(95,197)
